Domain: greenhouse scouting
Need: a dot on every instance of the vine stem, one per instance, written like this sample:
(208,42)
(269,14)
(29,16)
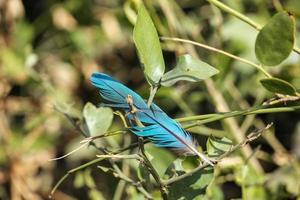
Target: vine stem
(242,17)
(202,119)
(257,66)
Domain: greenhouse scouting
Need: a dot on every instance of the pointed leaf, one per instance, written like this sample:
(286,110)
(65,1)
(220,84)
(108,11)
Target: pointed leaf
(275,41)
(98,120)
(188,69)
(277,85)
(147,43)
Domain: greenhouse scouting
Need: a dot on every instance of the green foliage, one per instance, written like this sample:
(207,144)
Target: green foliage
(147,43)
(277,85)
(50,48)
(188,69)
(275,41)
(98,120)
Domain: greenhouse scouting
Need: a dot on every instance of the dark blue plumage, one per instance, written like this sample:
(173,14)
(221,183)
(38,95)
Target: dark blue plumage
(156,124)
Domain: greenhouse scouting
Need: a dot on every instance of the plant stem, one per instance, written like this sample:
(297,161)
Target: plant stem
(235,13)
(257,66)
(162,187)
(242,17)
(258,110)
(215,117)
(153,91)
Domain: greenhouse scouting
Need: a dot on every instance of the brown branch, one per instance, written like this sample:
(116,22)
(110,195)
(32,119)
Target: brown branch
(249,138)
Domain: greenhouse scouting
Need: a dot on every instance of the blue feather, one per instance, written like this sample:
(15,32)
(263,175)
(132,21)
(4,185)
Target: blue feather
(162,130)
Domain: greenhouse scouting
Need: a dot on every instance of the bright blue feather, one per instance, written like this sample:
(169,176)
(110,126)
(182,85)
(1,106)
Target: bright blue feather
(158,126)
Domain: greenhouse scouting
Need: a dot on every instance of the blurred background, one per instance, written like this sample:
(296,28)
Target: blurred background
(49,48)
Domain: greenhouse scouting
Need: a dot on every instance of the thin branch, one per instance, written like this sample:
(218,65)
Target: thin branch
(257,66)
(249,138)
(88,164)
(71,152)
(119,174)
(71,172)
(152,171)
(114,156)
(242,17)
(203,119)
(107,134)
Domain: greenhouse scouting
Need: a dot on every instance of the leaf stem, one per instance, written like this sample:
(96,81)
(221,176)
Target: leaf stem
(242,17)
(153,91)
(257,66)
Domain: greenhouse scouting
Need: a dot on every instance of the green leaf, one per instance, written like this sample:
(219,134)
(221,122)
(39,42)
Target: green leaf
(217,146)
(188,69)
(98,120)
(275,40)
(191,187)
(147,43)
(277,85)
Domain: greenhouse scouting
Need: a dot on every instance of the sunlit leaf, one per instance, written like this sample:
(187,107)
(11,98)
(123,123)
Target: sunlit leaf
(98,120)
(277,85)
(147,43)
(188,69)
(275,41)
